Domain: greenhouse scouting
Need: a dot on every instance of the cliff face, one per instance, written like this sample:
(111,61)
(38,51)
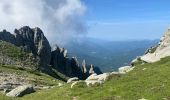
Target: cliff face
(161,50)
(33,41)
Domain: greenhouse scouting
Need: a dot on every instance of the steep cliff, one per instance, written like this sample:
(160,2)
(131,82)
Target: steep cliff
(32,42)
(161,50)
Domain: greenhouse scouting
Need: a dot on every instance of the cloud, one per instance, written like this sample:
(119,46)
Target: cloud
(59,19)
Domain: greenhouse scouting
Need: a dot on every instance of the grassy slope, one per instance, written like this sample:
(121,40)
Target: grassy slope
(36,78)
(153,83)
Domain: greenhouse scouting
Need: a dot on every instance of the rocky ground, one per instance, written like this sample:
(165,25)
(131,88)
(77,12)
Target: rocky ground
(9,81)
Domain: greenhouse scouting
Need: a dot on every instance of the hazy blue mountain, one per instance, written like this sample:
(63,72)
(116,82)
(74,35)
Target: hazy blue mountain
(108,56)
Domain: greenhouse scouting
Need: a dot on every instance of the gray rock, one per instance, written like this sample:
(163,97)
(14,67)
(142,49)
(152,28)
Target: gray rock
(7,37)
(6,90)
(63,64)
(21,91)
(72,79)
(60,84)
(91,71)
(6,85)
(34,41)
(160,50)
(84,66)
(31,40)
(125,69)
(96,79)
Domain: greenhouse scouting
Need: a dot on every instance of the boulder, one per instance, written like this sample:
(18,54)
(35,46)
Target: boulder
(97,79)
(72,79)
(125,69)
(93,82)
(21,91)
(60,84)
(101,77)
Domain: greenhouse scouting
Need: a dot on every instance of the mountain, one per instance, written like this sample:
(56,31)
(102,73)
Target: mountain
(33,51)
(158,51)
(147,81)
(106,55)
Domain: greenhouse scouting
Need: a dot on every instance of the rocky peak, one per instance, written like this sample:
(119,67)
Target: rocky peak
(7,36)
(32,40)
(164,41)
(91,71)
(84,66)
(161,50)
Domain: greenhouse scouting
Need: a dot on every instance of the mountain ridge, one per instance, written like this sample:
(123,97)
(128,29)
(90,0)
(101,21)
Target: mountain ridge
(33,41)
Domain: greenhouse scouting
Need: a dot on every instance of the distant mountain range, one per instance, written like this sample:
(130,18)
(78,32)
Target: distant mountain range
(106,55)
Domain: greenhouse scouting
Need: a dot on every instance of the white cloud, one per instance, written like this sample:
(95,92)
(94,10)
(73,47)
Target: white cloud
(59,19)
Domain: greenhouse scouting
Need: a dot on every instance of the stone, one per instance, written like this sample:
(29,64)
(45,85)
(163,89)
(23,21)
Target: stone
(21,91)
(6,90)
(46,87)
(101,77)
(72,79)
(60,84)
(96,79)
(125,69)
(6,86)
(93,82)
(74,83)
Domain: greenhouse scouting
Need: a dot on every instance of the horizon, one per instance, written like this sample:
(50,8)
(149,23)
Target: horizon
(112,20)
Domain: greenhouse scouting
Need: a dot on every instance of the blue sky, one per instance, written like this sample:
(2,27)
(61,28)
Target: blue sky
(127,19)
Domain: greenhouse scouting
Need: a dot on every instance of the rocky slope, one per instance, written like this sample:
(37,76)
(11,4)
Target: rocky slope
(32,42)
(161,50)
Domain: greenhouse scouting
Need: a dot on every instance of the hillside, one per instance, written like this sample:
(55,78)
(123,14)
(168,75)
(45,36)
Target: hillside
(29,48)
(107,55)
(19,66)
(149,81)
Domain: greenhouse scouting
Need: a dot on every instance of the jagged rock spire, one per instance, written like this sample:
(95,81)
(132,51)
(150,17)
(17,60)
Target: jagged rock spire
(91,71)
(84,66)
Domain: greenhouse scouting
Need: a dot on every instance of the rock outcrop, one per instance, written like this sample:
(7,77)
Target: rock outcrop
(62,63)
(72,79)
(21,91)
(89,69)
(33,41)
(125,69)
(161,50)
(96,79)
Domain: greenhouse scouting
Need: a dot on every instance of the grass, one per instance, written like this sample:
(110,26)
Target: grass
(17,55)
(38,78)
(149,81)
